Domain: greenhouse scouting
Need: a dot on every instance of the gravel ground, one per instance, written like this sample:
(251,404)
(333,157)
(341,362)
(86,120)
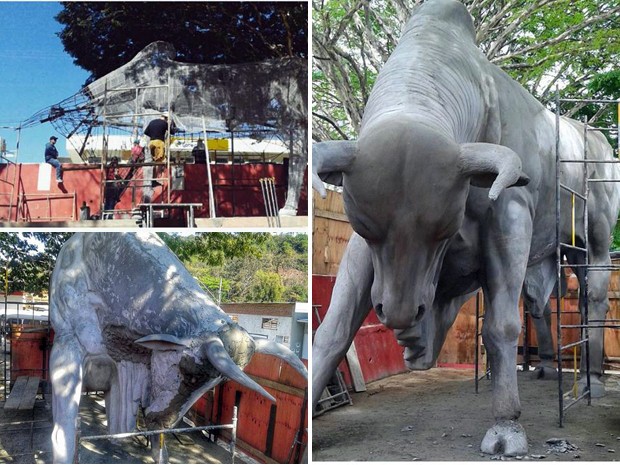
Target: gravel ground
(436,415)
(30,442)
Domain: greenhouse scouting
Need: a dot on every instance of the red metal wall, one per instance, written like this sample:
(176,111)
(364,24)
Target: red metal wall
(378,352)
(254,411)
(236,187)
(30,351)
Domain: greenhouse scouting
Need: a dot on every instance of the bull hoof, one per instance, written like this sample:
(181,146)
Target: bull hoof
(506,437)
(287,211)
(597,388)
(545,373)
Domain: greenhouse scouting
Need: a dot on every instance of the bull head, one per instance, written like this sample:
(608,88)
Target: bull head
(182,370)
(405,187)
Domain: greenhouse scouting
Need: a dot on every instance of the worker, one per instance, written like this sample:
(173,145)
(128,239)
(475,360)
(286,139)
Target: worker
(157,130)
(113,189)
(199,152)
(51,157)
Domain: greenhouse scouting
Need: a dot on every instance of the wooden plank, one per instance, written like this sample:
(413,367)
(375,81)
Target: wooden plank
(356,370)
(16,394)
(30,393)
(278,386)
(331,215)
(23,394)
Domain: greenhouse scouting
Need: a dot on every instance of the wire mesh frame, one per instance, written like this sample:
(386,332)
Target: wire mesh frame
(136,114)
(586,266)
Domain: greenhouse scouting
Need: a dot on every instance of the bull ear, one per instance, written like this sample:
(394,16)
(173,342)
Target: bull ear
(162,342)
(492,165)
(329,160)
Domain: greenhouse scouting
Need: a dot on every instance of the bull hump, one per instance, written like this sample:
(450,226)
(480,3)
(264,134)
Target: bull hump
(145,286)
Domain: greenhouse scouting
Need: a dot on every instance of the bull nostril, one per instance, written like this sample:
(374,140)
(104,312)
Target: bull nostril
(379,310)
(421,310)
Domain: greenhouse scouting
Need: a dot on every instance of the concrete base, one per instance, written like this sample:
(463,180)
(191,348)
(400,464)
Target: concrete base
(298,222)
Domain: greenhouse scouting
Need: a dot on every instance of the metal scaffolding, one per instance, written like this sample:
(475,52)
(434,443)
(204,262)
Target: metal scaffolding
(586,266)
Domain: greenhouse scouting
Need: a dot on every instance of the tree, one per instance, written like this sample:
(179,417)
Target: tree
(266,287)
(540,43)
(214,247)
(28,259)
(101,36)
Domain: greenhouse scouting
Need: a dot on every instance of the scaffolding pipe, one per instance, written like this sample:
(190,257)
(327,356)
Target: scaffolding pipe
(212,213)
(558,253)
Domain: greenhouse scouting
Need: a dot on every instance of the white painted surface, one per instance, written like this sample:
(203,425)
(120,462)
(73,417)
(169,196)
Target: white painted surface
(45,177)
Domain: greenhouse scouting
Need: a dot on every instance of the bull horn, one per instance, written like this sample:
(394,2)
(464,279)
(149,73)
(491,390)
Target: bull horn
(329,160)
(219,358)
(492,165)
(265,346)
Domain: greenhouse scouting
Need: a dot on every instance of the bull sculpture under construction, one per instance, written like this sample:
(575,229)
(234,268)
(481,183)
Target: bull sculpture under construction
(427,188)
(131,321)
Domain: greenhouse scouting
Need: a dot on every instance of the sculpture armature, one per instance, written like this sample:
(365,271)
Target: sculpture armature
(427,189)
(131,321)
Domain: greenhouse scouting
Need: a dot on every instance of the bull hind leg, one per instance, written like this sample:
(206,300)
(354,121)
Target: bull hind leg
(349,306)
(537,288)
(598,305)
(547,370)
(66,375)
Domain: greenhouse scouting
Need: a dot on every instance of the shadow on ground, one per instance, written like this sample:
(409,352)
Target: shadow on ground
(25,438)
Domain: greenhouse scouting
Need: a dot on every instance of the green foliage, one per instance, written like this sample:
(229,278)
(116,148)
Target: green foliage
(252,267)
(101,36)
(267,287)
(28,259)
(571,43)
(214,247)
(615,243)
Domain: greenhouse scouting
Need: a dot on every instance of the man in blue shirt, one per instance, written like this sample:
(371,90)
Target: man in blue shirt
(51,157)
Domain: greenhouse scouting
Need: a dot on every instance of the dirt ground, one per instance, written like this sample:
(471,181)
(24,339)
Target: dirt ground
(436,415)
(30,441)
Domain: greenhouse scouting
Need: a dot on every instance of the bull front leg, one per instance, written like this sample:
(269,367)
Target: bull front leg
(350,303)
(507,245)
(66,375)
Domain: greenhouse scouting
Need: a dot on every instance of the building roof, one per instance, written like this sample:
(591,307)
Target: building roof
(267,309)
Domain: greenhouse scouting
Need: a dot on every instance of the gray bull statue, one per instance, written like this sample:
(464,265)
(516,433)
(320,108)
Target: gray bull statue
(444,134)
(131,321)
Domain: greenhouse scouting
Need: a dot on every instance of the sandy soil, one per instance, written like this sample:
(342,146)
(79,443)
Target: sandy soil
(29,442)
(436,415)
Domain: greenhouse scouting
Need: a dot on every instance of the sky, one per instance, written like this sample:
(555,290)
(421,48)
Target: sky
(35,72)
